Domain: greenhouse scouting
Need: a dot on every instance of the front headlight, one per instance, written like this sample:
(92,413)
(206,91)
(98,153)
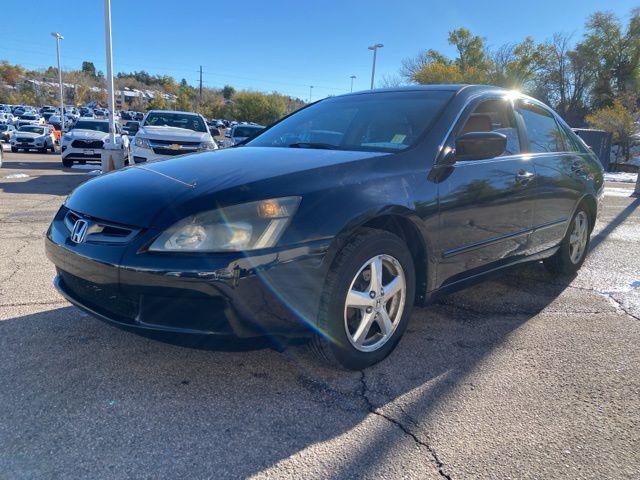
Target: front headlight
(248,226)
(142,142)
(208,146)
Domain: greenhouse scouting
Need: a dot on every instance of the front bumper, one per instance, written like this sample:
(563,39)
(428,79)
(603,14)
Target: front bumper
(277,292)
(72,153)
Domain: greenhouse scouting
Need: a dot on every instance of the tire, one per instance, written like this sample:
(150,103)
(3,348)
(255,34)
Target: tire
(42,150)
(567,261)
(68,163)
(14,149)
(336,342)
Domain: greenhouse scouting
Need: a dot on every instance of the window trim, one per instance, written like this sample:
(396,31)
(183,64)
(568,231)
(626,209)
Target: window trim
(462,117)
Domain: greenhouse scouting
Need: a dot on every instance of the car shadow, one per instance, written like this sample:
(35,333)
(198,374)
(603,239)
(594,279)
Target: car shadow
(80,394)
(60,184)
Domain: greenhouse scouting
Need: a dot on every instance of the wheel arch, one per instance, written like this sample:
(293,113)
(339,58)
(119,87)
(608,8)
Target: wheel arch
(405,224)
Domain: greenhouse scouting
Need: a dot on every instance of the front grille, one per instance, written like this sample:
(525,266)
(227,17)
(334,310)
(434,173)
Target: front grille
(99,231)
(172,142)
(24,140)
(101,298)
(87,144)
(170,151)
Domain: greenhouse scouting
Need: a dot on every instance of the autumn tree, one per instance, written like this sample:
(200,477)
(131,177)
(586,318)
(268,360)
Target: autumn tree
(618,120)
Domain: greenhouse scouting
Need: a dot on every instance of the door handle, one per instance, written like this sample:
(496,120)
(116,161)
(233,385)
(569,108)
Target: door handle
(523,177)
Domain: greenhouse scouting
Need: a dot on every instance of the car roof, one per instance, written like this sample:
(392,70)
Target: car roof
(447,87)
(91,119)
(174,111)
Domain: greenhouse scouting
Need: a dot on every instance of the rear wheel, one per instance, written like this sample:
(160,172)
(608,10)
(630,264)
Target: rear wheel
(574,247)
(367,301)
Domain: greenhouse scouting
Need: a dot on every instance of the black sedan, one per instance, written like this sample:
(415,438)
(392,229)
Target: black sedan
(334,222)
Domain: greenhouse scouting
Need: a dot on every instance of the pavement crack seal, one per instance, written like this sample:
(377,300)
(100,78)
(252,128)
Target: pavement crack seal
(375,411)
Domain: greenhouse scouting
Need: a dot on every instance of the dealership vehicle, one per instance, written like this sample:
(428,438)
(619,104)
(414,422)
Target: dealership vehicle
(6,132)
(239,133)
(33,137)
(131,128)
(334,221)
(1,156)
(84,141)
(28,119)
(166,133)
(55,121)
(6,118)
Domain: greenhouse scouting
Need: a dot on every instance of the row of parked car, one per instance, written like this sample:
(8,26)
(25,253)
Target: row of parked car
(158,134)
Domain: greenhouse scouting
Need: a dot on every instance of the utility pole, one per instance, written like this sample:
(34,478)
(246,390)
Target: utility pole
(200,98)
(352,77)
(374,48)
(310,92)
(59,37)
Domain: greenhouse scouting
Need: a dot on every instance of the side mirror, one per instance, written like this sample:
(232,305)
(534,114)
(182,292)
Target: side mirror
(480,145)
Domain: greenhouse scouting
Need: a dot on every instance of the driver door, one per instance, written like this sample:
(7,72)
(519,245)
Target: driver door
(486,206)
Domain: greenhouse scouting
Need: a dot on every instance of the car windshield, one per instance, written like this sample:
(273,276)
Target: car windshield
(28,117)
(172,119)
(32,129)
(248,131)
(89,125)
(381,121)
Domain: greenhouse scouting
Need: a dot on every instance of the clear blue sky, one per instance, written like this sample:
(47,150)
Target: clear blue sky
(282,45)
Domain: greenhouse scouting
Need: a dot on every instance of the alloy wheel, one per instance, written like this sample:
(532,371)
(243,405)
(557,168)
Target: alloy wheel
(578,238)
(375,303)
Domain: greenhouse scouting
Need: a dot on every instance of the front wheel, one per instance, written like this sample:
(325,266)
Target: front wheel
(68,163)
(367,301)
(574,247)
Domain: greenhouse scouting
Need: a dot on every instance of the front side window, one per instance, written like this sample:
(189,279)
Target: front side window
(382,122)
(542,129)
(495,115)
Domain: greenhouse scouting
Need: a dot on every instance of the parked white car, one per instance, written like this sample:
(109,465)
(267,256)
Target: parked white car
(84,141)
(33,137)
(166,133)
(6,119)
(28,119)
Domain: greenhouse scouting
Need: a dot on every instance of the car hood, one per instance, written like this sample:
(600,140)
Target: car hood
(87,134)
(136,195)
(172,133)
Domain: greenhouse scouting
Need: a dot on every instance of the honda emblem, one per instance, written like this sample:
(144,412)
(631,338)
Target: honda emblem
(79,232)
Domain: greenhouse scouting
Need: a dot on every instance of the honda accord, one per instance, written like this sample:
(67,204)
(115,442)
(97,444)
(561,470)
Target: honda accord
(333,222)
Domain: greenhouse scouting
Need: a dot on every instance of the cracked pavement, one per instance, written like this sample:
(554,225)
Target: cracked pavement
(521,376)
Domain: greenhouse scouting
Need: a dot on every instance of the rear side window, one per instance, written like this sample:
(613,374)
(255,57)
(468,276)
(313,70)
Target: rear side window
(542,129)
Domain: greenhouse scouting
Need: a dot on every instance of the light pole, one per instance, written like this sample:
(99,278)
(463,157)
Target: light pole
(352,77)
(374,48)
(310,92)
(59,37)
(107,28)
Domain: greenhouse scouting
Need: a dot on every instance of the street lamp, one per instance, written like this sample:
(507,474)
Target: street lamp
(374,48)
(107,28)
(310,92)
(59,37)
(352,77)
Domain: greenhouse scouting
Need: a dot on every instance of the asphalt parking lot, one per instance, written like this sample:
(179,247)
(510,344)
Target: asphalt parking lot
(522,376)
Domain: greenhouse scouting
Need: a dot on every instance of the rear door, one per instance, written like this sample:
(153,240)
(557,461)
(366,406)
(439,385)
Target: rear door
(559,168)
(486,206)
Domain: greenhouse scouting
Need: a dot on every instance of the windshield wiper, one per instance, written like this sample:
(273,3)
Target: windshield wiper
(325,146)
